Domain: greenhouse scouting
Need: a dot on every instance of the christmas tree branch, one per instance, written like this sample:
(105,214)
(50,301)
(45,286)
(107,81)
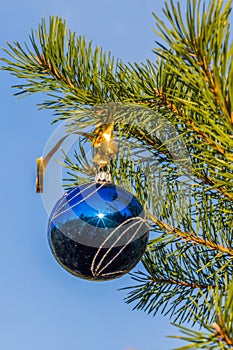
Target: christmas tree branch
(189,237)
(198,133)
(219,333)
(62,65)
(147,139)
(191,266)
(171,286)
(180,283)
(202,44)
(164,100)
(193,119)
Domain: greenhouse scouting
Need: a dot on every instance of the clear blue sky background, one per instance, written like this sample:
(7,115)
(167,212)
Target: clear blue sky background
(41,305)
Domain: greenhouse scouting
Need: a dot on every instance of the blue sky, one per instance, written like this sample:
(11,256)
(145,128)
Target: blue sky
(41,305)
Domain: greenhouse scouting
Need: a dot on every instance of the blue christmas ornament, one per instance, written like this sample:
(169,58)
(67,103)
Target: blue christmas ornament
(98,231)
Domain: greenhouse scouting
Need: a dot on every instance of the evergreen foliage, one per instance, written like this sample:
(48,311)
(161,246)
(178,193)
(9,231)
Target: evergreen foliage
(188,265)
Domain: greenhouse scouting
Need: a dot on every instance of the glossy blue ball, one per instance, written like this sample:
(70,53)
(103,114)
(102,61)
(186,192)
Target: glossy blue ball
(98,231)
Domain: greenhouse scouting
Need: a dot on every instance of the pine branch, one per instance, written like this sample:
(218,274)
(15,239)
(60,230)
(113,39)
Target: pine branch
(180,257)
(189,237)
(62,65)
(220,332)
(157,144)
(179,283)
(203,45)
(172,286)
(189,118)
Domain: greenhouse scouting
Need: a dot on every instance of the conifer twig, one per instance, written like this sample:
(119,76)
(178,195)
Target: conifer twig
(189,237)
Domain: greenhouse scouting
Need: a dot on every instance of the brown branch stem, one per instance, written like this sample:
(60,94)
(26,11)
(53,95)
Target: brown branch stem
(180,283)
(190,237)
(48,67)
(222,335)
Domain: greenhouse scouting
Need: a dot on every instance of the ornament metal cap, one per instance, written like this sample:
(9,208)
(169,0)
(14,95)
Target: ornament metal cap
(103,177)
